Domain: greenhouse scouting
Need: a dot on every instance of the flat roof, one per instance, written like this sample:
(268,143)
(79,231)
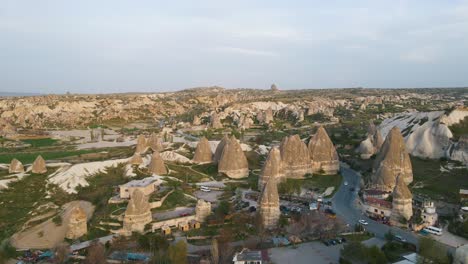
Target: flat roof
(463,191)
(140,183)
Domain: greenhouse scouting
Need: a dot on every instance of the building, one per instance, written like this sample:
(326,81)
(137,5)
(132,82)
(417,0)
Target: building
(463,195)
(377,208)
(429,214)
(247,256)
(374,193)
(147,186)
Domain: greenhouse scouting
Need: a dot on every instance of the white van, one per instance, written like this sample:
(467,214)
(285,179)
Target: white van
(205,189)
(433,230)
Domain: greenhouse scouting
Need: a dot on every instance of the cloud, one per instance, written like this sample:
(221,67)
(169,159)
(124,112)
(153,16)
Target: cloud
(421,55)
(248,52)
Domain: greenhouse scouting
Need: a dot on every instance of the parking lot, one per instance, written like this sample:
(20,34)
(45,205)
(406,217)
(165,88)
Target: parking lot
(311,252)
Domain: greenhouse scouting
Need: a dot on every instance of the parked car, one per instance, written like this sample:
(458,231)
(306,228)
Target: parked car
(400,238)
(345,183)
(363,222)
(252,209)
(326,243)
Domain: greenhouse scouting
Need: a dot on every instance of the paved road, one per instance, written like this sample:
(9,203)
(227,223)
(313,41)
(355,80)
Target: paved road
(344,204)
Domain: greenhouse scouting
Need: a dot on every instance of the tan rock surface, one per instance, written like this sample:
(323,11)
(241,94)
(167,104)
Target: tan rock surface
(269,204)
(203,152)
(295,157)
(402,204)
(272,168)
(136,159)
(220,148)
(215,121)
(16,166)
(202,210)
(77,224)
(39,166)
(154,142)
(391,161)
(323,153)
(138,213)
(233,162)
(157,165)
(142,145)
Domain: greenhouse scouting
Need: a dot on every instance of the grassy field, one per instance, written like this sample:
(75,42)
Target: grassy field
(29,157)
(443,185)
(177,198)
(317,183)
(40,142)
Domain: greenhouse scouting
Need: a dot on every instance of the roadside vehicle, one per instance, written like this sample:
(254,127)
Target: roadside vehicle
(400,238)
(363,222)
(433,230)
(345,183)
(205,189)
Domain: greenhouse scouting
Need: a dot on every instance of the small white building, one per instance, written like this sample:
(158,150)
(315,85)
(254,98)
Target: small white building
(147,186)
(247,256)
(429,214)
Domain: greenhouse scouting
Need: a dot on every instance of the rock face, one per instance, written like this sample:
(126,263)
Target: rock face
(295,157)
(402,204)
(215,121)
(157,165)
(202,210)
(233,162)
(154,142)
(39,166)
(77,224)
(372,144)
(141,146)
(272,168)
(392,160)
(203,152)
(459,150)
(138,213)
(136,159)
(461,255)
(269,204)
(268,116)
(196,121)
(323,153)
(220,148)
(16,166)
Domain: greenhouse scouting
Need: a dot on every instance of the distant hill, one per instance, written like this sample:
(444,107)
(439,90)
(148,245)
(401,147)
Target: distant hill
(8,94)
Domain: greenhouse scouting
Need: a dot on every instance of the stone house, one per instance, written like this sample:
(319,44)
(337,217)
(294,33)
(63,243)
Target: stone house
(147,186)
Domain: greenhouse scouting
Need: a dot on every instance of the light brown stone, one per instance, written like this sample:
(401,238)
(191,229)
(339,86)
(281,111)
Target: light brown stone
(220,148)
(402,204)
(39,166)
(77,224)
(203,152)
(16,166)
(154,142)
(391,161)
(157,165)
(268,116)
(295,157)
(215,121)
(202,210)
(269,204)
(138,213)
(323,153)
(142,145)
(233,162)
(272,168)
(196,121)
(136,159)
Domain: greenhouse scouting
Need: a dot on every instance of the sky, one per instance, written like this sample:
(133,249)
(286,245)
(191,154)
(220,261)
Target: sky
(88,46)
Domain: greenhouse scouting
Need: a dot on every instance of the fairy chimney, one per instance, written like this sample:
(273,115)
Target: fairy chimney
(402,204)
(269,204)
(233,162)
(203,152)
(202,210)
(141,146)
(196,121)
(154,142)
(16,166)
(138,213)
(215,121)
(392,160)
(268,116)
(271,168)
(39,166)
(77,223)
(295,157)
(372,144)
(136,159)
(220,148)
(157,165)
(323,153)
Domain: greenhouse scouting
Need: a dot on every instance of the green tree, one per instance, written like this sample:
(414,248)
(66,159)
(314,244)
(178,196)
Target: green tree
(432,252)
(178,253)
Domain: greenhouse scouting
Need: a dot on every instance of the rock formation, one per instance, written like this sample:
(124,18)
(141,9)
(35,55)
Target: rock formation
(268,116)
(157,165)
(154,142)
(220,148)
(39,166)
(402,204)
(196,121)
(295,157)
(392,160)
(461,255)
(459,150)
(269,204)
(215,121)
(203,152)
(233,162)
(323,153)
(141,146)
(136,159)
(272,168)
(138,213)
(202,210)
(16,166)
(77,224)
(372,144)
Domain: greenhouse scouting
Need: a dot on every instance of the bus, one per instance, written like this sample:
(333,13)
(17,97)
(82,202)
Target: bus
(433,230)
(205,189)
